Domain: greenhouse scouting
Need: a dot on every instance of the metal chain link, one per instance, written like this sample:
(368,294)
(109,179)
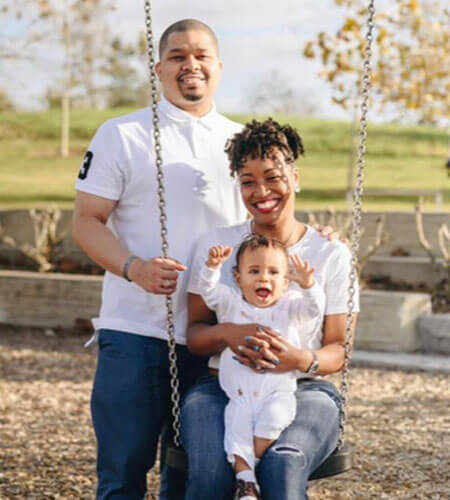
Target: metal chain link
(356,220)
(174,381)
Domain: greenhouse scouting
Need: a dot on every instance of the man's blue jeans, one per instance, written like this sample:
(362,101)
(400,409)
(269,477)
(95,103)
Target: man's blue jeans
(284,469)
(130,404)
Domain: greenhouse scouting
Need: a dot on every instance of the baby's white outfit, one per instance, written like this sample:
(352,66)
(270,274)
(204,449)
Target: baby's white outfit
(260,405)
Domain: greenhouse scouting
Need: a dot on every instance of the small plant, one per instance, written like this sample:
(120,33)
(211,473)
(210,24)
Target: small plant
(46,238)
(440,292)
(342,223)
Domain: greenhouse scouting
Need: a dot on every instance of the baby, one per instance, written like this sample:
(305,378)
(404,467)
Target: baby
(261,404)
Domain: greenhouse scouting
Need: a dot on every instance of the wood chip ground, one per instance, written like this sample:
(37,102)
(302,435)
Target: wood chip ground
(399,424)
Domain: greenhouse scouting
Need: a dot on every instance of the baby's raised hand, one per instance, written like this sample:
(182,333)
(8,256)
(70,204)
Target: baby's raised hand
(217,255)
(301,272)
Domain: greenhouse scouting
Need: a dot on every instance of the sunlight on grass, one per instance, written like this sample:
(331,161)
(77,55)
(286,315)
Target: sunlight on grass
(32,173)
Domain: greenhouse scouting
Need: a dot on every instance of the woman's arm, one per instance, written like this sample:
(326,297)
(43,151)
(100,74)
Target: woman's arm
(204,335)
(330,355)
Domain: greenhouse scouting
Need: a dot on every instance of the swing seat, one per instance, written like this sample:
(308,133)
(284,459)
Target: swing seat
(338,462)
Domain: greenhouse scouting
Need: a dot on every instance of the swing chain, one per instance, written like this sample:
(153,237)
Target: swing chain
(356,219)
(356,231)
(174,382)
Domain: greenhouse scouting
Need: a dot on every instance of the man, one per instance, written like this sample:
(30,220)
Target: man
(116,222)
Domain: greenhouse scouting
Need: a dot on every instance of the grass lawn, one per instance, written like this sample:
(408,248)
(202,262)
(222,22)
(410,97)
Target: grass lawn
(32,173)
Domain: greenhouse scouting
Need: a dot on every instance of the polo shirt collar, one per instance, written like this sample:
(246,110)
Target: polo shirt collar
(180,116)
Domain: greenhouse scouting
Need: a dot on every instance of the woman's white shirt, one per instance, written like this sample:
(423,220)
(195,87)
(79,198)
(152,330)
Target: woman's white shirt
(331,261)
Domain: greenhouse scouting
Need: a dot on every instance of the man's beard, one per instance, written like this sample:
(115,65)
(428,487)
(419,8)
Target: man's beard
(192,97)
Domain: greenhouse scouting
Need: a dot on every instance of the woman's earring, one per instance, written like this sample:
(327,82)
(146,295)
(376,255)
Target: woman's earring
(298,188)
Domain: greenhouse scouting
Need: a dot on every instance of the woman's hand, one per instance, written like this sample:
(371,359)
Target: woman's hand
(253,348)
(268,350)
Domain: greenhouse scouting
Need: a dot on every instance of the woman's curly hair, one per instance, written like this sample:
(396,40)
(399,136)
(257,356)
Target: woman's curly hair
(259,139)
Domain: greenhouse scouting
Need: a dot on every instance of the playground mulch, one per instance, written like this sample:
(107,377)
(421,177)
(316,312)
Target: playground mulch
(398,422)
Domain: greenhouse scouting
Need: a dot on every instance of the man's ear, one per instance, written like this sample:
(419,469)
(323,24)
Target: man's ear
(286,283)
(237,277)
(158,69)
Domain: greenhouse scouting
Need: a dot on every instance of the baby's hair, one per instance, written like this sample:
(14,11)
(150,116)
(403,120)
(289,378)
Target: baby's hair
(255,241)
(259,140)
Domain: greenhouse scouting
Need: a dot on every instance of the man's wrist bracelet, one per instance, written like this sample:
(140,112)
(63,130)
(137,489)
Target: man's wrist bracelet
(127,265)
(314,366)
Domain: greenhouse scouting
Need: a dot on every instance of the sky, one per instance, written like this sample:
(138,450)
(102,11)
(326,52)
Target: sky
(264,37)
(256,38)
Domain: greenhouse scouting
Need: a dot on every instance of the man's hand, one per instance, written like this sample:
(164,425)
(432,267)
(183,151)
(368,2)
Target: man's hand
(302,273)
(217,255)
(156,275)
(330,234)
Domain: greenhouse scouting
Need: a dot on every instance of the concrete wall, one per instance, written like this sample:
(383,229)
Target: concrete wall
(18,225)
(434,333)
(48,300)
(387,321)
(414,271)
(401,227)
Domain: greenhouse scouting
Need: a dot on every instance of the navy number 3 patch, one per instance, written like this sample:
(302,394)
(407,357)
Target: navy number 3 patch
(85,165)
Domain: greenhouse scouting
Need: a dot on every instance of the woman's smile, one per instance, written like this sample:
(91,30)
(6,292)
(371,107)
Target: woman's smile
(268,205)
(267,186)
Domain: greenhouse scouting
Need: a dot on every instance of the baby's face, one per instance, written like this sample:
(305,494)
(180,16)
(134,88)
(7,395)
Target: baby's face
(262,275)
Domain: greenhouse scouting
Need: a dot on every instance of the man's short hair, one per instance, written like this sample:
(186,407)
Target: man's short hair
(186,25)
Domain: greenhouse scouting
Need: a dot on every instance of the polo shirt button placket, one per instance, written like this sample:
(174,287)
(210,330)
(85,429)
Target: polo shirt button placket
(200,141)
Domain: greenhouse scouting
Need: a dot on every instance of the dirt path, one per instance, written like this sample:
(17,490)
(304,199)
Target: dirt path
(399,423)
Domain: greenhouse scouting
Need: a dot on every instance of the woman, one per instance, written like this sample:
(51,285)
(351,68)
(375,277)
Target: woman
(262,157)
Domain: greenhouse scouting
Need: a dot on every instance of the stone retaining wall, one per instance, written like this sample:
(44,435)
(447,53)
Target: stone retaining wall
(414,271)
(48,300)
(387,321)
(400,226)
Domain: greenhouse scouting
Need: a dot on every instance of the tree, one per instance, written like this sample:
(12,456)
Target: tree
(15,47)
(272,94)
(6,104)
(124,85)
(77,21)
(411,58)
(76,26)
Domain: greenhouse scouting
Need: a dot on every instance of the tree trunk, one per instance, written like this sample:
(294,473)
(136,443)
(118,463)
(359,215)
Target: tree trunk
(65,101)
(65,124)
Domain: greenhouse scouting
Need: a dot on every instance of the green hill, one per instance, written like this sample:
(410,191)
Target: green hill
(401,157)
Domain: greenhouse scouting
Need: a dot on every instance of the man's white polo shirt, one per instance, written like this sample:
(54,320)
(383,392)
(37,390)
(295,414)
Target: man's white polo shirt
(199,191)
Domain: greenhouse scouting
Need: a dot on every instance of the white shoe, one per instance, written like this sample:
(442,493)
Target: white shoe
(247,490)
